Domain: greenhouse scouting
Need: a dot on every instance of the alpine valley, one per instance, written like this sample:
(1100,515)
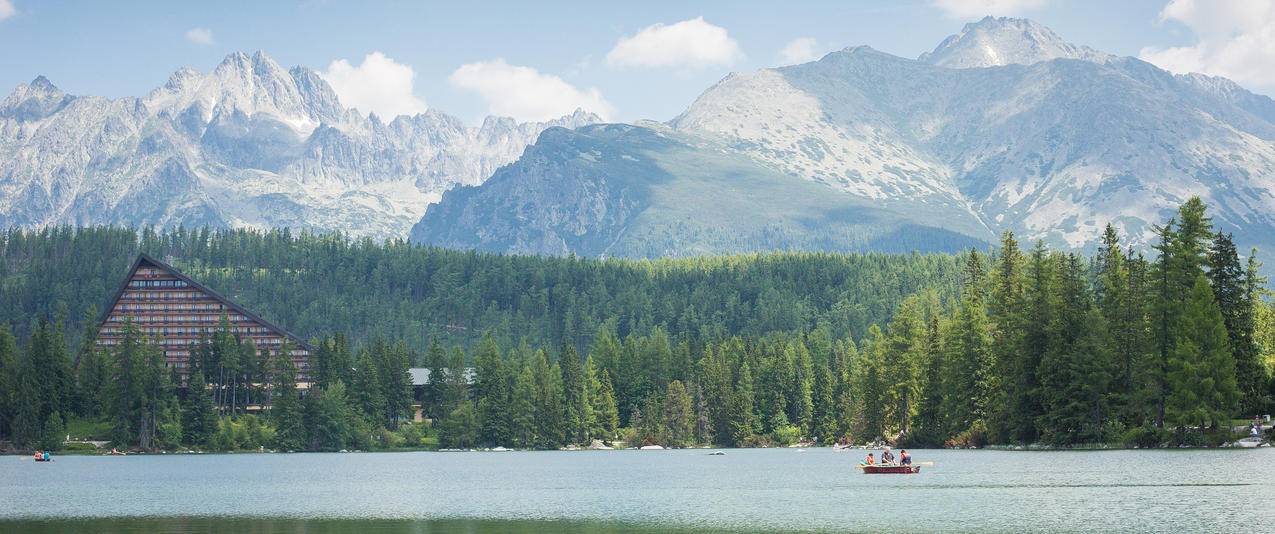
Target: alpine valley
(1003,126)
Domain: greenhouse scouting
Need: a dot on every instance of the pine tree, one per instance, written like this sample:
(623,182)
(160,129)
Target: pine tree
(491,385)
(800,403)
(394,382)
(772,399)
(743,420)
(716,375)
(870,393)
(903,353)
(455,381)
(550,414)
(459,430)
(823,406)
(522,410)
(845,372)
(1202,386)
(1006,311)
(432,401)
(286,410)
(365,390)
(90,369)
(1233,295)
(605,416)
(930,426)
(8,381)
(969,355)
(1074,371)
(199,411)
(575,396)
(679,416)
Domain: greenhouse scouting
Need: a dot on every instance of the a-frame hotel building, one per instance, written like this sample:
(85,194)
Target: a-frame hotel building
(175,311)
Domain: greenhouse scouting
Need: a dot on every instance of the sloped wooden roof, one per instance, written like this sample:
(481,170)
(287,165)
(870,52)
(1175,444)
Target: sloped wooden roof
(143,259)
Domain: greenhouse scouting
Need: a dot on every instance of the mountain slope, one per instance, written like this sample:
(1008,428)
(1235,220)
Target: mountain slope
(1053,150)
(248,144)
(646,191)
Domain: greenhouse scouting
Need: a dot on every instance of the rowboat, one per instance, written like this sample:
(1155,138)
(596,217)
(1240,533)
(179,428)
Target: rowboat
(890,469)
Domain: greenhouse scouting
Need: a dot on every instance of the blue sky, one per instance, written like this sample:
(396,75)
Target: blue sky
(532,58)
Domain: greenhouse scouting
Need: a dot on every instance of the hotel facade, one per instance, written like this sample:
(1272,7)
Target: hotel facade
(176,312)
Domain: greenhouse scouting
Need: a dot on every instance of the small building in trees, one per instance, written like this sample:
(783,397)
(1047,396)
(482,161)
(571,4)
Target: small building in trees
(176,312)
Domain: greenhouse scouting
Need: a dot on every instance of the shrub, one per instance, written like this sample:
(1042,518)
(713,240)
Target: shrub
(411,434)
(972,438)
(1145,437)
(388,439)
(786,435)
(245,432)
(80,447)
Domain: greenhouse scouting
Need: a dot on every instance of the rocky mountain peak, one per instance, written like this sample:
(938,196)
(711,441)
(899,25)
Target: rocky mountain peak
(31,101)
(997,41)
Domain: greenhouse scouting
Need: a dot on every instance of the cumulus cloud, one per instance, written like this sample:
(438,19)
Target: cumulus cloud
(970,9)
(799,50)
(1234,38)
(199,36)
(689,43)
(379,85)
(525,93)
(6,9)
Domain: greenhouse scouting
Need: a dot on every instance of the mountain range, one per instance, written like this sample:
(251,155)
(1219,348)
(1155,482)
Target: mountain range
(1003,126)
(249,144)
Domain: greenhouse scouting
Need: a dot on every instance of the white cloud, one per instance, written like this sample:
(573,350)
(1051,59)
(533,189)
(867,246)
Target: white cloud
(199,36)
(525,93)
(689,43)
(379,85)
(1234,38)
(6,9)
(971,9)
(799,50)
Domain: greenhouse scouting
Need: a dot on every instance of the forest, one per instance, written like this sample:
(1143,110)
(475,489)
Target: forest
(1013,345)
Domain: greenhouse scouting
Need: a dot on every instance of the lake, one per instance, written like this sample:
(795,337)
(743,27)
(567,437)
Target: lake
(641,491)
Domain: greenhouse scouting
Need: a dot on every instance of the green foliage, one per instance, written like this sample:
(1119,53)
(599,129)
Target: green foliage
(1006,347)
(460,429)
(53,434)
(241,433)
(318,286)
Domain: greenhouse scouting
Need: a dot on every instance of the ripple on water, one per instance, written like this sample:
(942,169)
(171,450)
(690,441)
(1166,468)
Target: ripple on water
(762,489)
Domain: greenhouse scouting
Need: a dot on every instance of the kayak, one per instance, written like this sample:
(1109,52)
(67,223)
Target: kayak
(891,469)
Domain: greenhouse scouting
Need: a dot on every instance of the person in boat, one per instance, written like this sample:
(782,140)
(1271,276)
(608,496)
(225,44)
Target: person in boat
(39,456)
(904,457)
(870,460)
(887,457)
(46,456)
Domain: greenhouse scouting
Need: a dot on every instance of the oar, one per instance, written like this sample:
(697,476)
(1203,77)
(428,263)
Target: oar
(924,464)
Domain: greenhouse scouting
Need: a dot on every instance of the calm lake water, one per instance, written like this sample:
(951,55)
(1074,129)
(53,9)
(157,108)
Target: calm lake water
(640,491)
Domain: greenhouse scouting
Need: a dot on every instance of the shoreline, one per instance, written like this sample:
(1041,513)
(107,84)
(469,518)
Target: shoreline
(989,448)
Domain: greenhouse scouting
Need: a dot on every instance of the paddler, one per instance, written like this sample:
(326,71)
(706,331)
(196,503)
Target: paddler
(870,460)
(887,457)
(904,457)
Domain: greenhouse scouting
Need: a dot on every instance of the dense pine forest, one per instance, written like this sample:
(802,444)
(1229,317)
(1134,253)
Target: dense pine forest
(1016,345)
(322,285)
